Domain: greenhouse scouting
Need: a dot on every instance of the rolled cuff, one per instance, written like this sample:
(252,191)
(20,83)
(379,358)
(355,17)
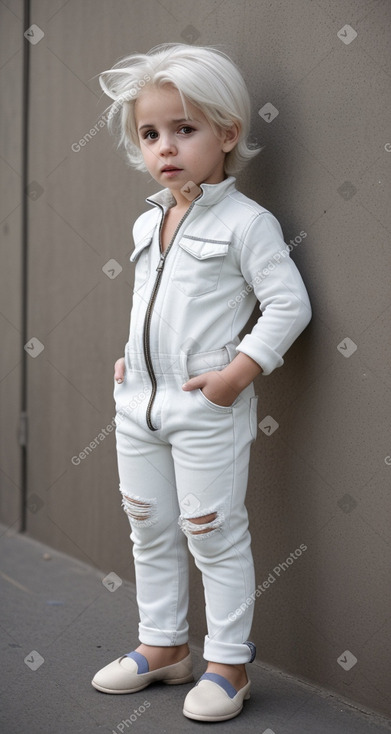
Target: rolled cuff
(261,353)
(162,638)
(228,652)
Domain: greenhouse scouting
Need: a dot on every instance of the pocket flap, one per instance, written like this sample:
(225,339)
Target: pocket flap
(139,247)
(203,248)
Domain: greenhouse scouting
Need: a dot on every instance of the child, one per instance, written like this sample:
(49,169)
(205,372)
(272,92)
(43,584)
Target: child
(186,409)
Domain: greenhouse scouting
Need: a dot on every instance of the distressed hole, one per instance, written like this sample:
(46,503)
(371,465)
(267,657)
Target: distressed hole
(205,521)
(140,512)
(206,524)
(137,510)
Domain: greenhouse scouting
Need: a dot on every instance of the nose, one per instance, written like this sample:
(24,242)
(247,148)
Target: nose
(167,145)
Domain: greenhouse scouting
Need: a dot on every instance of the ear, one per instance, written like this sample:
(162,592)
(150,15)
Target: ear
(230,137)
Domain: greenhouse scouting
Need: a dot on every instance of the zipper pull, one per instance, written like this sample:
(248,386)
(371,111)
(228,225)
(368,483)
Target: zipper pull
(161,262)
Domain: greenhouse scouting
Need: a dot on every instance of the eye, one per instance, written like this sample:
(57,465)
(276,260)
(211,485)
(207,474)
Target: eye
(186,129)
(150,135)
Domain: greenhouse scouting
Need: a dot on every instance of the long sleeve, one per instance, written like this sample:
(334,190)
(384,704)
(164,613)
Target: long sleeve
(283,299)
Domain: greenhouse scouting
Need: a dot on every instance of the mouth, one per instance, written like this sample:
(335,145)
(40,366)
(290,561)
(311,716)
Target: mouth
(170,169)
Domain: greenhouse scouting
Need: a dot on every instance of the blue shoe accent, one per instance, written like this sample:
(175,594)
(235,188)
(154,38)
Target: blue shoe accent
(221,681)
(142,662)
(253,650)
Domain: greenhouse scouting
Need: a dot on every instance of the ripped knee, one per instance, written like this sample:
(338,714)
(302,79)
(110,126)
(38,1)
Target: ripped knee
(141,512)
(201,526)
(206,523)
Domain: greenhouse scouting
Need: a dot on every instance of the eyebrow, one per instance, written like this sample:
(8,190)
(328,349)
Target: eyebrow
(176,122)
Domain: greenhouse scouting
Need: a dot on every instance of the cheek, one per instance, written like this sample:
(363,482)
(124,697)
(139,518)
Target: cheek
(201,151)
(148,156)
(212,147)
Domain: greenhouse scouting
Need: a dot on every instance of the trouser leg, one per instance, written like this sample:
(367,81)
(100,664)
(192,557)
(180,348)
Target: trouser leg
(211,459)
(147,484)
(196,466)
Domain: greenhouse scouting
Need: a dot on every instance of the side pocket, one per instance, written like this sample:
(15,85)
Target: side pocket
(253,417)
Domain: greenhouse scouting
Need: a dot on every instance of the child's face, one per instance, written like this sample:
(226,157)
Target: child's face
(178,150)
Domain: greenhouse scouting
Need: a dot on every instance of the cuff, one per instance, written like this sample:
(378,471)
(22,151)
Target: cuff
(261,353)
(162,638)
(229,653)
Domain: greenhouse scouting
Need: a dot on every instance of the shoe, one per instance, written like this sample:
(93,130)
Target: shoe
(130,673)
(214,698)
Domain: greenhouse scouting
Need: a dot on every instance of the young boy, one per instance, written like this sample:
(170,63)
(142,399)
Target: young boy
(204,254)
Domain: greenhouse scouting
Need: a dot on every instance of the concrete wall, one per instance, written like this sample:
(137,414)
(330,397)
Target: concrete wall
(11,225)
(320,480)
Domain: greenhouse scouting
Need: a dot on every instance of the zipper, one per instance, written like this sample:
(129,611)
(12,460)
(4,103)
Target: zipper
(148,314)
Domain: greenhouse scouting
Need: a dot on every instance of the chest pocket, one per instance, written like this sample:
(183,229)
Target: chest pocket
(141,256)
(198,265)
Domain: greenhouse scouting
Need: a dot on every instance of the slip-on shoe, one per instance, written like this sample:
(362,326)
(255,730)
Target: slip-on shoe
(214,698)
(130,673)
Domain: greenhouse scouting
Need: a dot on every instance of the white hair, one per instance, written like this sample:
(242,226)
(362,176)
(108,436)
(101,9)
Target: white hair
(204,76)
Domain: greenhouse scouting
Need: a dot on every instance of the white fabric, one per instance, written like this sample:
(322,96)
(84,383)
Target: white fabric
(228,254)
(194,465)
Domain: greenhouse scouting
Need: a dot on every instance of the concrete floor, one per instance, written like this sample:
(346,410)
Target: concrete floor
(60,624)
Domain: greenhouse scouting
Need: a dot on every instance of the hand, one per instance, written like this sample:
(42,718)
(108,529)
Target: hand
(119,370)
(215,387)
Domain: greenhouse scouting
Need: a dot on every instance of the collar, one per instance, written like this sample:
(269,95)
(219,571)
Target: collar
(211,194)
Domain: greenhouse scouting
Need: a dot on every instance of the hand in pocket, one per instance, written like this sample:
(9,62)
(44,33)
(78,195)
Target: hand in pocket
(119,370)
(214,386)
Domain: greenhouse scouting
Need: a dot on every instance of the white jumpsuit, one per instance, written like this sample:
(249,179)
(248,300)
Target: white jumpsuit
(180,456)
